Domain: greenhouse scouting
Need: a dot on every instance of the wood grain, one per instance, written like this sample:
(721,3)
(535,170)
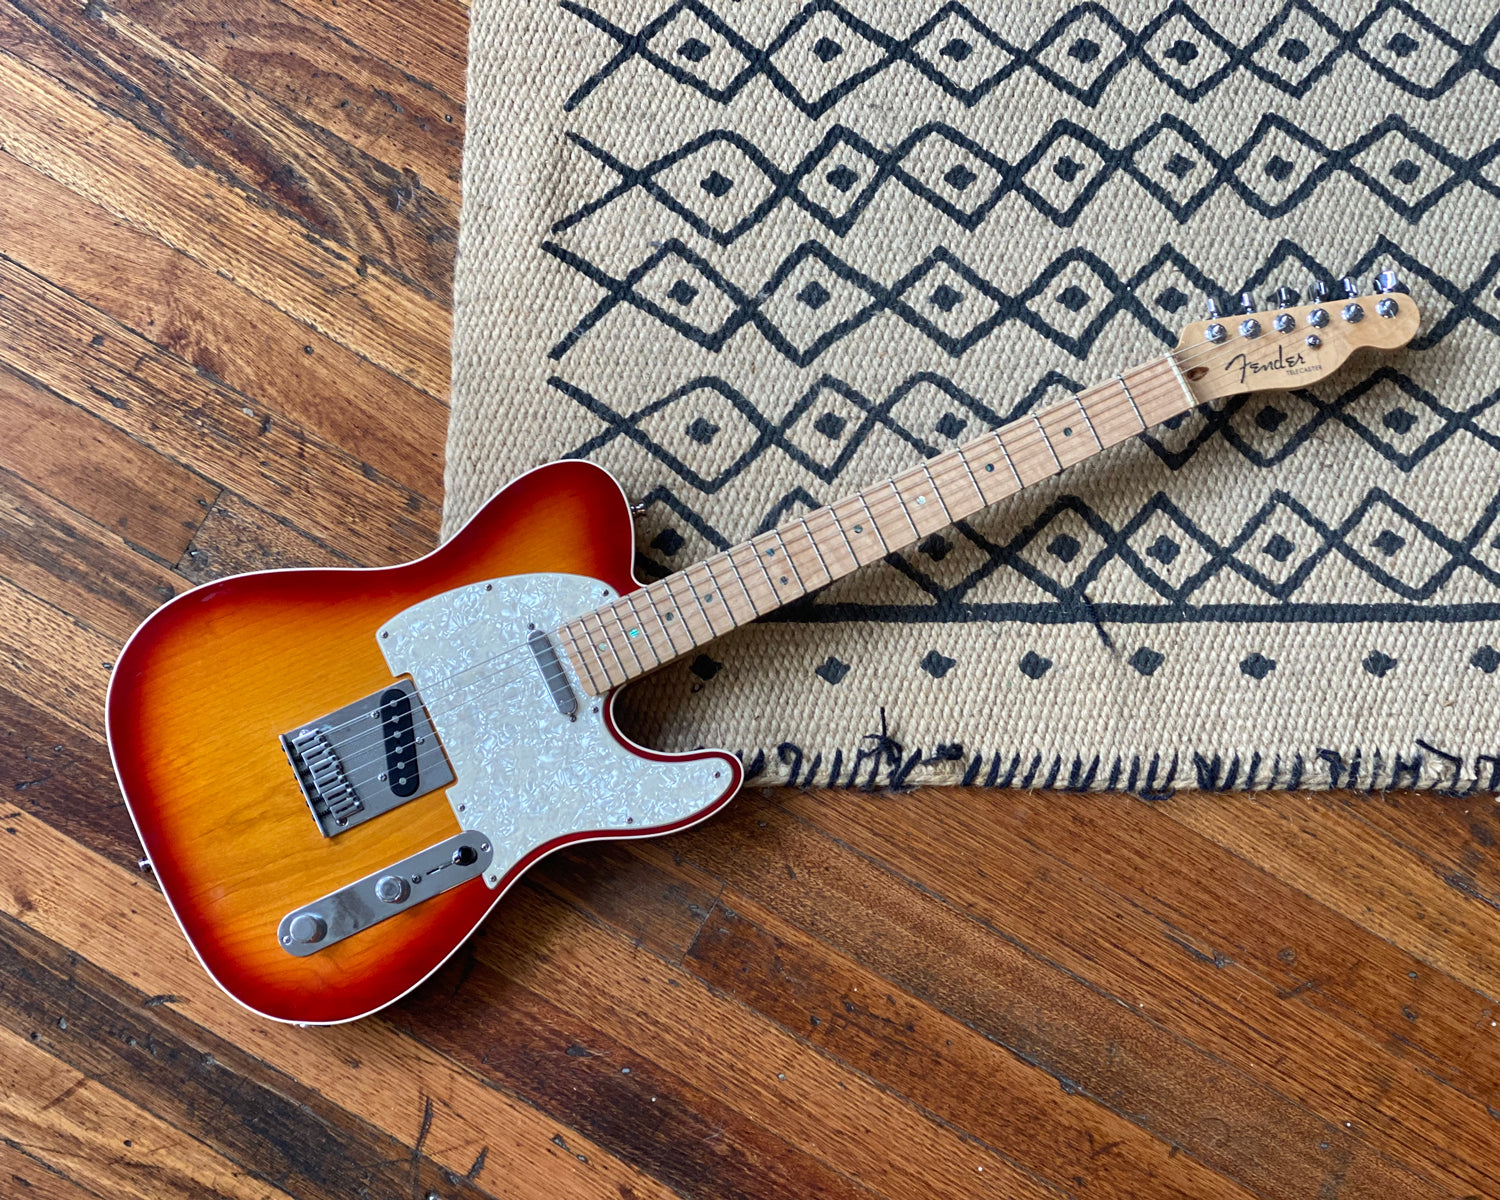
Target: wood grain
(227,237)
(279,364)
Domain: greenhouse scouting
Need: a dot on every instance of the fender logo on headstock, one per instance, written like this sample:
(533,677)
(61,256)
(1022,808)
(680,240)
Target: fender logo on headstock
(1296,364)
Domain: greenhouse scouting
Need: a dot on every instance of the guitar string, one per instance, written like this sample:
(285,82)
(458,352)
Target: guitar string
(1026,439)
(1031,435)
(1020,445)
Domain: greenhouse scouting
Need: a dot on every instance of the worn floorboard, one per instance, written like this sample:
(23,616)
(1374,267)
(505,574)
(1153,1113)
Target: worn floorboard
(226,243)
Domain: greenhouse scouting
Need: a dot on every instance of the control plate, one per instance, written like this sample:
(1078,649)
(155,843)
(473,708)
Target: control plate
(370,900)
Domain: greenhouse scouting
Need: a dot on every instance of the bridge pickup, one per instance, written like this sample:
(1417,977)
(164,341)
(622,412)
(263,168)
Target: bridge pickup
(370,900)
(367,758)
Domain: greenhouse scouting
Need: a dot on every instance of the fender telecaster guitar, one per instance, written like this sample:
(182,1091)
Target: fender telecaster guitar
(337,773)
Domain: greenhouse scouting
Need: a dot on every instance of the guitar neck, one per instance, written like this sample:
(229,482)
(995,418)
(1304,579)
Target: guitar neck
(653,625)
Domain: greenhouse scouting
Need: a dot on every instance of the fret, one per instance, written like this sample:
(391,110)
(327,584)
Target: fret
(983,501)
(1009,462)
(646,637)
(629,641)
(694,639)
(937,492)
(705,600)
(838,524)
(1067,448)
(604,644)
(787,558)
(580,662)
(1042,430)
(874,524)
(813,542)
(708,567)
(774,600)
(1125,387)
(635,639)
(765,574)
(787,588)
(740,579)
(666,622)
(915,532)
(675,618)
(1089,421)
(651,639)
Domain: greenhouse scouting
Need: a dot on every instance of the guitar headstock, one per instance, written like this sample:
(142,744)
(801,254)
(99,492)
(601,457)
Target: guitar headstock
(1293,344)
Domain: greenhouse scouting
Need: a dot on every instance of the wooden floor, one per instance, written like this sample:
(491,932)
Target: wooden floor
(226,243)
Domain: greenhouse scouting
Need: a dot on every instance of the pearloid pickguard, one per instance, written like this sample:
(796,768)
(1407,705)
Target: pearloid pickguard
(526,774)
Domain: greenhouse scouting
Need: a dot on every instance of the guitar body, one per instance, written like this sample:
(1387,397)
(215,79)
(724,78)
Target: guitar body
(207,692)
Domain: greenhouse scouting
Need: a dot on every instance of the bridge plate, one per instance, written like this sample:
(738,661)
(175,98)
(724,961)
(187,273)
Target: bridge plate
(367,758)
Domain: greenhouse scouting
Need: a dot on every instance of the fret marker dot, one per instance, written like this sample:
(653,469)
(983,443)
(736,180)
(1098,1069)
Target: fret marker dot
(635,633)
(771,553)
(603,646)
(783,580)
(1067,431)
(669,616)
(989,466)
(921,499)
(859,529)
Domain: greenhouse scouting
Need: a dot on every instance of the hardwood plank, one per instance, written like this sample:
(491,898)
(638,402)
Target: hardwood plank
(237,536)
(660,907)
(278,363)
(1218,903)
(504,1145)
(1453,836)
(297,170)
(138,178)
(264,1122)
(424,38)
(34,1179)
(321,78)
(52,658)
(940,1064)
(63,776)
(756,1068)
(1083,1037)
(53,553)
(99,471)
(1316,844)
(692,1140)
(77,1128)
(93,361)
(1195,990)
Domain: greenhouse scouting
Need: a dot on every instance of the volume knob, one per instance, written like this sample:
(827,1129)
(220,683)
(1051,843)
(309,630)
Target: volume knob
(391,889)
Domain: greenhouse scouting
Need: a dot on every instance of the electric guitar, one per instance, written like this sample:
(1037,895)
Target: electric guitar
(336,773)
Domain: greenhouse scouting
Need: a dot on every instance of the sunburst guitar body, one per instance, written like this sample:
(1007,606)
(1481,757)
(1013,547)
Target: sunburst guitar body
(208,694)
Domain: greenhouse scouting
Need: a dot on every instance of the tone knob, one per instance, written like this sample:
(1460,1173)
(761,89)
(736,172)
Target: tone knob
(391,889)
(307,927)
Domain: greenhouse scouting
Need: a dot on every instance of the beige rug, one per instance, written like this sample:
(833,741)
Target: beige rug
(753,256)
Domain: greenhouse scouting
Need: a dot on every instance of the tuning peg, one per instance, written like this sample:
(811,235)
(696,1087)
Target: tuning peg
(1286,297)
(1350,286)
(1387,282)
(1214,311)
(1247,303)
(1318,293)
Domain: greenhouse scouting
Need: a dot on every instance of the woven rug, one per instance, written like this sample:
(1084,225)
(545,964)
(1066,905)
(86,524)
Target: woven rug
(753,256)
